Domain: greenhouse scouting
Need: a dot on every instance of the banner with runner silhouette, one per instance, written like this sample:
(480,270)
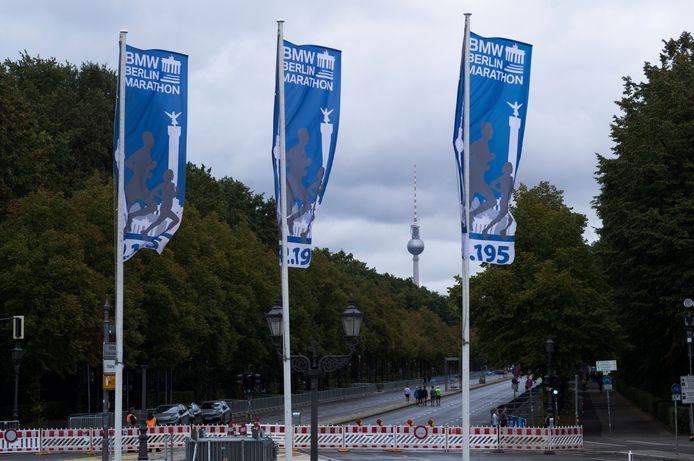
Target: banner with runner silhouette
(499,85)
(311,77)
(156,120)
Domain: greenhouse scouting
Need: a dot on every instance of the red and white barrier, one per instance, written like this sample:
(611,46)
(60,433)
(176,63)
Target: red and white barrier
(419,437)
(20,441)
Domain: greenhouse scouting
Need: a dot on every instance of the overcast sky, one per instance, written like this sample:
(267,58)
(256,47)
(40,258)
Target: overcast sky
(400,63)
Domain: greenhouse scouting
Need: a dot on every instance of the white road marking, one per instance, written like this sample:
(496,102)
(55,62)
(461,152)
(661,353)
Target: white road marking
(603,443)
(650,443)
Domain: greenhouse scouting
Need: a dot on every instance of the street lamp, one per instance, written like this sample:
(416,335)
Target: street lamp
(17,354)
(689,325)
(315,366)
(549,347)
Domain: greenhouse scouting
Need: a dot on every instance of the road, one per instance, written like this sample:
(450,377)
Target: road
(387,406)
(482,400)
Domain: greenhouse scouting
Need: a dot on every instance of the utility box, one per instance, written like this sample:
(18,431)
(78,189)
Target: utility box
(296,418)
(231,449)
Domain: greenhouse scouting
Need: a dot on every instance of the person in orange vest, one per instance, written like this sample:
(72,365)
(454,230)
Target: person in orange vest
(130,418)
(151,420)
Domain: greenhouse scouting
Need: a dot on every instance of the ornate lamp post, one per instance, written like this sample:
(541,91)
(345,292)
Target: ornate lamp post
(315,366)
(549,347)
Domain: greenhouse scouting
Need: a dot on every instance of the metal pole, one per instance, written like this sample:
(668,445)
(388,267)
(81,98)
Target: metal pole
(286,355)
(677,447)
(15,412)
(89,389)
(691,407)
(609,414)
(576,400)
(142,438)
(314,414)
(465,368)
(105,399)
(118,411)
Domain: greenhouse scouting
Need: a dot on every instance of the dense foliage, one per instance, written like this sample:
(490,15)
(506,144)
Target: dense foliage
(646,203)
(196,312)
(553,290)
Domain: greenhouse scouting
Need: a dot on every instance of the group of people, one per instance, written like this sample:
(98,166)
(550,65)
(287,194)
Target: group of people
(131,418)
(499,418)
(422,396)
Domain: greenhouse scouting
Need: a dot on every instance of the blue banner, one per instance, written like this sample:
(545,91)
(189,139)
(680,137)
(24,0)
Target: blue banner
(156,119)
(499,85)
(311,76)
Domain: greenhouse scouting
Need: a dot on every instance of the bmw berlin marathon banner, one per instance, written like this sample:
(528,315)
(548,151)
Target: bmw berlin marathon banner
(311,78)
(156,118)
(499,84)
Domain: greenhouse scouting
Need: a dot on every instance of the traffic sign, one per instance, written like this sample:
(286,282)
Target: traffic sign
(676,389)
(606,366)
(109,382)
(687,385)
(676,397)
(607,380)
(109,351)
(110,366)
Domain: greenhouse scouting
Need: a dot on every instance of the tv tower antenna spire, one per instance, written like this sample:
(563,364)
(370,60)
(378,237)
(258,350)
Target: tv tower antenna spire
(415,246)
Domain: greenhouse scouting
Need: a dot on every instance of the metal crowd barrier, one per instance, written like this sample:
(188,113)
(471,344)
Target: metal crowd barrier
(416,437)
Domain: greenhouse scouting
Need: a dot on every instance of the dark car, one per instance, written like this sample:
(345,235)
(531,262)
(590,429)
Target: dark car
(215,411)
(195,413)
(175,413)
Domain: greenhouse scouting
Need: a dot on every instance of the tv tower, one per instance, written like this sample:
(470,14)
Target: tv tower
(415,246)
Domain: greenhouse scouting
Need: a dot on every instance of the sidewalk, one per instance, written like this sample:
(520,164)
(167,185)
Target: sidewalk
(627,428)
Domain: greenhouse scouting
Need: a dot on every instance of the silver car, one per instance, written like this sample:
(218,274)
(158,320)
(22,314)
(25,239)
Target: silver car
(175,413)
(215,411)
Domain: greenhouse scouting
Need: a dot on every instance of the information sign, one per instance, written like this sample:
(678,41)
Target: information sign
(109,382)
(606,366)
(109,351)
(687,384)
(110,366)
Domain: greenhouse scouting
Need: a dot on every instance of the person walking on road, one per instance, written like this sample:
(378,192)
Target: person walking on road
(407,394)
(495,417)
(425,395)
(438,396)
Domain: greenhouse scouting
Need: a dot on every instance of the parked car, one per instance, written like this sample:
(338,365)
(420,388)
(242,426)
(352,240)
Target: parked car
(215,411)
(175,413)
(195,413)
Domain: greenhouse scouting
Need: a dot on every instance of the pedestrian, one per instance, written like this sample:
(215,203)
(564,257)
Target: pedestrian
(130,418)
(438,396)
(151,420)
(417,396)
(424,396)
(407,394)
(503,418)
(495,417)
(432,395)
(528,383)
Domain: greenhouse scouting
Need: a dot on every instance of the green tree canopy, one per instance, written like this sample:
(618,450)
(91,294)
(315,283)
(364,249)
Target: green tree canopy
(646,204)
(554,289)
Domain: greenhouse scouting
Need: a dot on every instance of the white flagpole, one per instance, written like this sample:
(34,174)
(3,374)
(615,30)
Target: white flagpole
(286,353)
(120,223)
(466,261)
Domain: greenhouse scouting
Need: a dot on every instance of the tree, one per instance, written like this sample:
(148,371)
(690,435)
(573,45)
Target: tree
(646,204)
(554,289)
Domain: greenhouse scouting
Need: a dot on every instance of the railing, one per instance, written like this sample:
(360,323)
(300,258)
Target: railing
(420,437)
(274,403)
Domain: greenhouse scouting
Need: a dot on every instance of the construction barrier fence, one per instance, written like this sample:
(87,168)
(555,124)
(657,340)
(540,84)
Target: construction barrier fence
(421,437)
